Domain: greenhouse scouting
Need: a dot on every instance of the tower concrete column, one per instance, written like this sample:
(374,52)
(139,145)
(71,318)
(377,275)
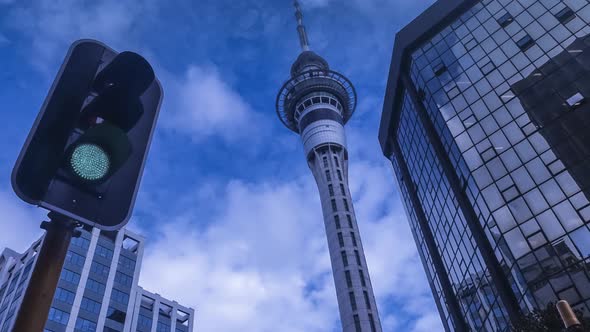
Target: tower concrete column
(316,103)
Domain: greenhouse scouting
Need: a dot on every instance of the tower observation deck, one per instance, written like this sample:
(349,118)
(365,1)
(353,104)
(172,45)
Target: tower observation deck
(316,103)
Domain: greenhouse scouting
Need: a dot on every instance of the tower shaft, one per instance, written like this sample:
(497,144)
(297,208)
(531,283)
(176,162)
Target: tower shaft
(354,291)
(316,103)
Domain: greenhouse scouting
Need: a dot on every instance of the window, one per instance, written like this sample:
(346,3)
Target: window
(162,327)
(328,175)
(123,278)
(325,161)
(95,286)
(353,239)
(337,221)
(99,269)
(525,42)
(340,240)
(336,161)
(334,208)
(439,69)
(344,258)
(75,259)
(348,278)
(565,15)
(70,276)
(345,204)
(342,190)
(349,220)
(80,242)
(372,321)
(339,175)
(358,257)
(116,315)
(357,323)
(126,262)
(575,100)
(505,20)
(104,252)
(362,277)
(64,295)
(367,302)
(90,305)
(145,321)
(58,316)
(352,301)
(119,296)
(85,325)
(331,190)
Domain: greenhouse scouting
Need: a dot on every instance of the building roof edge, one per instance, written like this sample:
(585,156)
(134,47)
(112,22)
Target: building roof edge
(424,26)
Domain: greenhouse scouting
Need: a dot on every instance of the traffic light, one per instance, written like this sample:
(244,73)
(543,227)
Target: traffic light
(85,153)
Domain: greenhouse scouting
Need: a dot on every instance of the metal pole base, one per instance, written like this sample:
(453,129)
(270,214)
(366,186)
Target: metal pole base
(38,297)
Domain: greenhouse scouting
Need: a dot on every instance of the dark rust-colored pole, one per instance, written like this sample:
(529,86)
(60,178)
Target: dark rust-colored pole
(34,309)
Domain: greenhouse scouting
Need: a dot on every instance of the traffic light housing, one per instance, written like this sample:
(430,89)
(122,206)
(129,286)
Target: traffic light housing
(85,153)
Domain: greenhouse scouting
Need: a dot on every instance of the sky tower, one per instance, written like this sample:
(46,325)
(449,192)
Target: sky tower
(316,103)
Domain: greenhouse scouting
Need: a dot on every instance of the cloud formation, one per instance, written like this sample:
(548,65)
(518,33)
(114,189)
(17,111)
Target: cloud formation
(202,104)
(262,259)
(50,26)
(20,222)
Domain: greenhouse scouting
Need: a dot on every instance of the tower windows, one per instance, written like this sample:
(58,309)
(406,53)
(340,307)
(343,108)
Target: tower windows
(325,100)
(352,301)
(342,190)
(348,278)
(349,221)
(362,277)
(337,221)
(353,238)
(340,240)
(345,205)
(336,161)
(316,100)
(334,208)
(372,321)
(339,175)
(328,175)
(367,302)
(331,190)
(325,161)
(357,323)
(344,258)
(358,257)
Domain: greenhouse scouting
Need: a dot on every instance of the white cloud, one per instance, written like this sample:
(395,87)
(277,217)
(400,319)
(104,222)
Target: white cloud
(262,261)
(3,40)
(251,269)
(20,222)
(428,323)
(202,104)
(52,25)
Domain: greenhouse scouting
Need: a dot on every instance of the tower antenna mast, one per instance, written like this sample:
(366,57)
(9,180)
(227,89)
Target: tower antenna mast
(303,41)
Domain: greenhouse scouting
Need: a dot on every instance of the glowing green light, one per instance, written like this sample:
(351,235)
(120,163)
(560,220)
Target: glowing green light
(90,162)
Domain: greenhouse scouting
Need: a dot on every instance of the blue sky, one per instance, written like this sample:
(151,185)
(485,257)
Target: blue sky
(227,203)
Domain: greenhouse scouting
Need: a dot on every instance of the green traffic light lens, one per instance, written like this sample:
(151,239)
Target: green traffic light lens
(90,162)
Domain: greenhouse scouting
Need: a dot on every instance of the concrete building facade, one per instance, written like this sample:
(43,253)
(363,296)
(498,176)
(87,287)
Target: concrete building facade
(98,288)
(485,123)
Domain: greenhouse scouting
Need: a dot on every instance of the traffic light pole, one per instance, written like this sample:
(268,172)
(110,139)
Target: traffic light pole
(39,294)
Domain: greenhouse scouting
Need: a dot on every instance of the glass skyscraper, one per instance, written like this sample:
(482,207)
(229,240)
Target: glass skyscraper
(486,122)
(98,288)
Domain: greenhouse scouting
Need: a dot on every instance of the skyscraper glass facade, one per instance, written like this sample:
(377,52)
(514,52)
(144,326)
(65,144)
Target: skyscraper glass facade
(97,289)
(488,139)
